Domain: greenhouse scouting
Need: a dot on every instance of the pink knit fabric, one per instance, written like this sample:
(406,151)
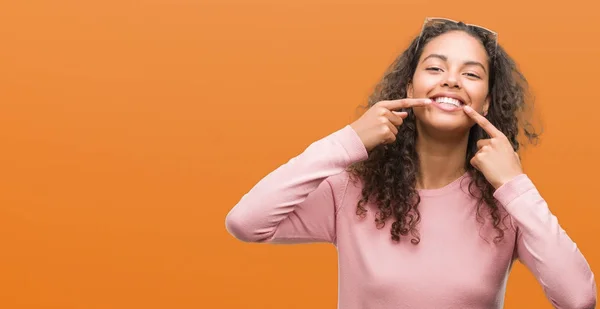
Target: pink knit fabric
(456,265)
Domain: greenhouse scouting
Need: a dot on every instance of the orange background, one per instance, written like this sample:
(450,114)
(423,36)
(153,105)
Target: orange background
(130,128)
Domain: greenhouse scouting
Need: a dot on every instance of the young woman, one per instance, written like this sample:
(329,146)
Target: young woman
(433,159)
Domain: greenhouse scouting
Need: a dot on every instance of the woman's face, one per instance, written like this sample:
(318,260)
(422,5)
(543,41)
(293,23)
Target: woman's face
(453,71)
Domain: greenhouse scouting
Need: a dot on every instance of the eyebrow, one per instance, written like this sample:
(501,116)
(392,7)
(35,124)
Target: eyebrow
(442,57)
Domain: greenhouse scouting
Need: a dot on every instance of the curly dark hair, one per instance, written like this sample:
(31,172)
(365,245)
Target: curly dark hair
(390,173)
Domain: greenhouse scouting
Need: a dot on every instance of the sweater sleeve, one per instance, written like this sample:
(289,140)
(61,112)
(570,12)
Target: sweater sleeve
(298,201)
(546,249)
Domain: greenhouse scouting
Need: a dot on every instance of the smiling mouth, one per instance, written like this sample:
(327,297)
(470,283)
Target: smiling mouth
(447,100)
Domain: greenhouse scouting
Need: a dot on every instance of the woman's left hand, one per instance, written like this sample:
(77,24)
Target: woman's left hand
(496,158)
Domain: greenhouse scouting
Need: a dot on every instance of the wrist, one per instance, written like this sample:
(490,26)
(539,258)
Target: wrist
(505,180)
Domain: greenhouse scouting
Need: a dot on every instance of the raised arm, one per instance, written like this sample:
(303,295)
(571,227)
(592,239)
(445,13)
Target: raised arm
(542,245)
(298,201)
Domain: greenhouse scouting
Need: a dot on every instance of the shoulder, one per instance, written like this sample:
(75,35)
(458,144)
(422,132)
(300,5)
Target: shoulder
(494,212)
(346,187)
(343,182)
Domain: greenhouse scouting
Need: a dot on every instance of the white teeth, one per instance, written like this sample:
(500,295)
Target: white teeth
(447,100)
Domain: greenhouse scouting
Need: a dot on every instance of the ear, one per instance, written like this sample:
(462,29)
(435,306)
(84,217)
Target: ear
(409,90)
(486,105)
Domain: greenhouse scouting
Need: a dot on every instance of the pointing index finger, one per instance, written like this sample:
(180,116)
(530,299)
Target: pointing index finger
(482,122)
(405,103)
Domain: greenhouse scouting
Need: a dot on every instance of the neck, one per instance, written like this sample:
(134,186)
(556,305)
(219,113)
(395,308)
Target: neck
(441,159)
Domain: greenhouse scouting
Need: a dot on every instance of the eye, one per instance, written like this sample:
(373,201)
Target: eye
(473,75)
(434,69)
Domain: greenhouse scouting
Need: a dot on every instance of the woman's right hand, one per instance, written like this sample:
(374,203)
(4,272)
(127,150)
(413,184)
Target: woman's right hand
(379,124)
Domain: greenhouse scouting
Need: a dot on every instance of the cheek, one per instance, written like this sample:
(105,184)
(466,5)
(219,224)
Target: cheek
(424,84)
(478,92)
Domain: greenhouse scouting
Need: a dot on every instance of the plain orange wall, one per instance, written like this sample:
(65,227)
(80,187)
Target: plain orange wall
(130,128)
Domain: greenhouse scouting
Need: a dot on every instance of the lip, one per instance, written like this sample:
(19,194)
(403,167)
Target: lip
(448,107)
(449,95)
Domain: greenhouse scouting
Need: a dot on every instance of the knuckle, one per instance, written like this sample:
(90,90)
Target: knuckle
(376,107)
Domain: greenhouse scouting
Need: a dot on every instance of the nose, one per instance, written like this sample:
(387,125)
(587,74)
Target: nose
(450,81)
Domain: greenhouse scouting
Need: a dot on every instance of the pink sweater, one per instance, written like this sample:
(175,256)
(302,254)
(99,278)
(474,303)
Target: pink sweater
(456,264)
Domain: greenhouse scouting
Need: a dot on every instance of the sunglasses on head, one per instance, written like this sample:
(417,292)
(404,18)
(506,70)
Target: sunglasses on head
(433,21)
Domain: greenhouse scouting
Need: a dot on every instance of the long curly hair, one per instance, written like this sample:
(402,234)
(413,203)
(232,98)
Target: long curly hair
(389,174)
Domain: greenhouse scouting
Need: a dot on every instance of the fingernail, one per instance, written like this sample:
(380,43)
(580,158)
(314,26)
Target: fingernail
(467,108)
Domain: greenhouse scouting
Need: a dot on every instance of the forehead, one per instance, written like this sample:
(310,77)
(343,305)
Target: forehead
(457,46)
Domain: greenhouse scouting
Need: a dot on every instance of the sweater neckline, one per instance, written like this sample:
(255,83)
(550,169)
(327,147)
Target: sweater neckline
(445,189)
